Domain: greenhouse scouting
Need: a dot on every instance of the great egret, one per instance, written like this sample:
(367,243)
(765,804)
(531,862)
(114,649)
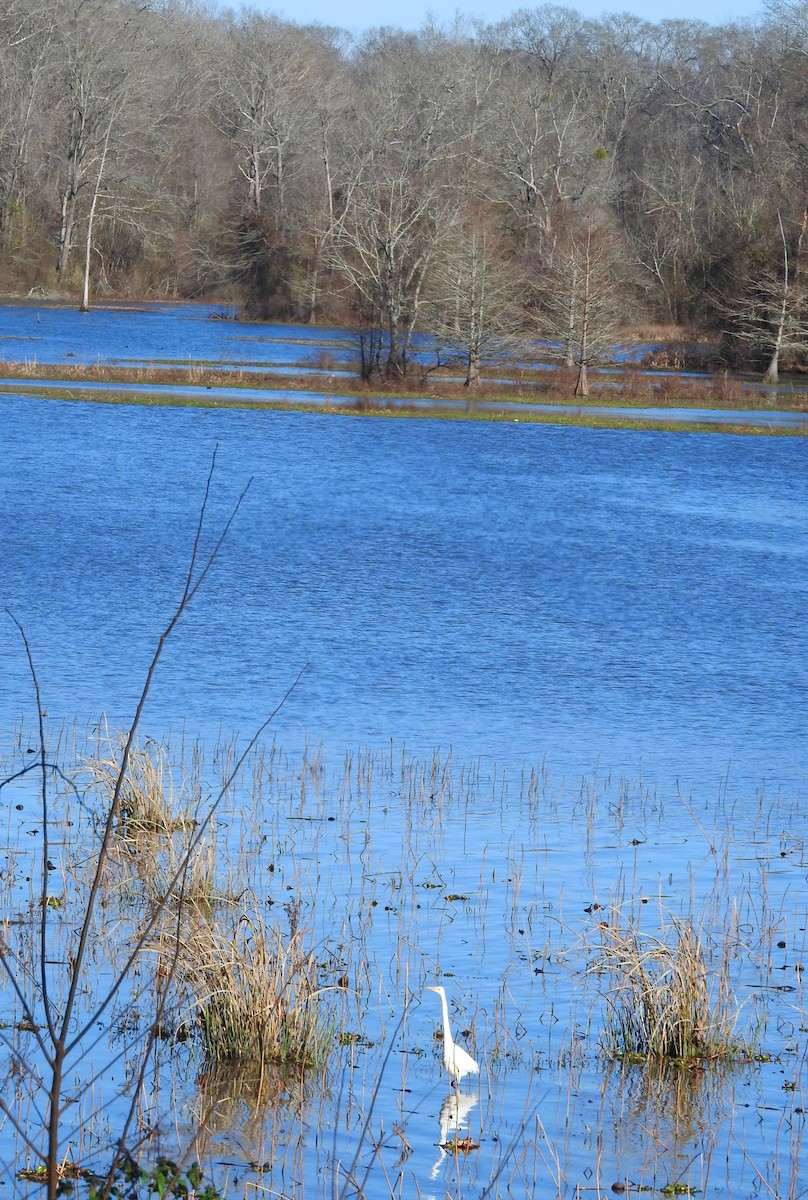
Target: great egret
(457,1061)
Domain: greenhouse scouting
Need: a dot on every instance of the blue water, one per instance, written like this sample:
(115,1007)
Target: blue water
(634,600)
(612,605)
(190,332)
(155,333)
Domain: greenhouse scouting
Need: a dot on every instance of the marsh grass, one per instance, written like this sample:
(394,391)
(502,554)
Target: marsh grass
(346,894)
(66,992)
(621,385)
(156,853)
(254,991)
(664,1003)
(148,801)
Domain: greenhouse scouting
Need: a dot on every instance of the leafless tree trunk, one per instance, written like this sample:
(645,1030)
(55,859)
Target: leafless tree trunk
(85,298)
(74,170)
(767,313)
(582,384)
(772,374)
(584,298)
(474,309)
(352,159)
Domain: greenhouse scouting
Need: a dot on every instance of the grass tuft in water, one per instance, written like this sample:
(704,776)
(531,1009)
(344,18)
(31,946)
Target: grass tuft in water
(148,800)
(663,1003)
(255,992)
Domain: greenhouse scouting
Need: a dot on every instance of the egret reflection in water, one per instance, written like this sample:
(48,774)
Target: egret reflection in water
(453,1123)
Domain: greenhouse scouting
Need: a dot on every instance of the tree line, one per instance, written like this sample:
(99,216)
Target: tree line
(547,175)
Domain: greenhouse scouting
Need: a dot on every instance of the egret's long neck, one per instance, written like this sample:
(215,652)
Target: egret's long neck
(447,1033)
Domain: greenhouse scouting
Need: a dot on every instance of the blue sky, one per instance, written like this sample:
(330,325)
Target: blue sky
(357,15)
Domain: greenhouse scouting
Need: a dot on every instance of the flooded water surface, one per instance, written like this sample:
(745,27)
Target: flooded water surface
(198,336)
(551,709)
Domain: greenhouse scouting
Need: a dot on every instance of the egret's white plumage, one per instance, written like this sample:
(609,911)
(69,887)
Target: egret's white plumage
(457,1061)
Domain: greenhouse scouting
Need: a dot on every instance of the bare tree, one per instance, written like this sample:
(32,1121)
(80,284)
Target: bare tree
(300,172)
(397,204)
(263,90)
(50,997)
(582,298)
(100,46)
(323,172)
(26,32)
(768,314)
(476,308)
(545,131)
(88,246)
(384,245)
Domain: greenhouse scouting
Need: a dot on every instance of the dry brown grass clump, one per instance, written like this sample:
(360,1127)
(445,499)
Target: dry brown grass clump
(252,987)
(254,992)
(149,803)
(663,1003)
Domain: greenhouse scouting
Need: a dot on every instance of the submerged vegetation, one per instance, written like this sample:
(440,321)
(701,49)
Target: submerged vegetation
(523,396)
(285,962)
(619,385)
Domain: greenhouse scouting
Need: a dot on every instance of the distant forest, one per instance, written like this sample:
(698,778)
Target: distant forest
(547,176)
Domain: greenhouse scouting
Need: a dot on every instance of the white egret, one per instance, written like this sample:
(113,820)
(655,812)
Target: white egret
(457,1061)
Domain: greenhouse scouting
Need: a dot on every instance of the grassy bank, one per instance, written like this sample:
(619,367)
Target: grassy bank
(628,386)
(435,398)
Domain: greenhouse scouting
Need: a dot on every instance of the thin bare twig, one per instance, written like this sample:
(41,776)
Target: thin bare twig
(56,1046)
(43,920)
